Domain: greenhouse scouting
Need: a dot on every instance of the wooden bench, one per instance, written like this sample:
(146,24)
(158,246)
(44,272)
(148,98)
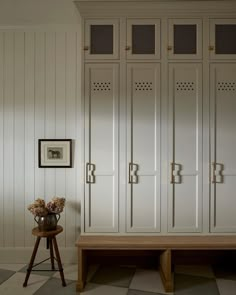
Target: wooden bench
(164,243)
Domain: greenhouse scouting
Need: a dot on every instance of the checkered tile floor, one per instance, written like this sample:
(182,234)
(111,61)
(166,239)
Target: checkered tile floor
(115,280)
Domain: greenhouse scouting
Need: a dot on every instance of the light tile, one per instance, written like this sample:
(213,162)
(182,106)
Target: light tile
(5,275)
(94,289)
(13,267)
(14,285)
(226,287)
(147,280)
(191,285)
(114,276)
(195,270)
(54,286)
(70,272)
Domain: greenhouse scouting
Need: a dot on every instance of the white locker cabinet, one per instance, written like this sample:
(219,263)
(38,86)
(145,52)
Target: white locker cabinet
(143,39)
(101,39)
(101,147)
(184,39)
(222,38)
(185,148)
(143,147)
(223,147)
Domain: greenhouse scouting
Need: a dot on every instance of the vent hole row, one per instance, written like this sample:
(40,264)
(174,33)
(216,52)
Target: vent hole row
(143,86)
(185,86)
(226,86)
(101,86)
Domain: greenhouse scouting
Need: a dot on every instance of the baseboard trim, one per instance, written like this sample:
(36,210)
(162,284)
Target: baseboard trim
(22,255)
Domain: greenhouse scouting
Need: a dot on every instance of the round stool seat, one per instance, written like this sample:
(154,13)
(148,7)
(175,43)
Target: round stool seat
(46,234)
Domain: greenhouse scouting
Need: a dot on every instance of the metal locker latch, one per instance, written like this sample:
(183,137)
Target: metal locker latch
(133,169)
(90,177)
(175,173)
(217,170)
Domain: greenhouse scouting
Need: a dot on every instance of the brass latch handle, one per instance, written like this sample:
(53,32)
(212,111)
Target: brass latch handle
(86,48)
(90,177)
(128,48)
(211,48)
(169,47)
(217,173)
(133,169)
(175,173)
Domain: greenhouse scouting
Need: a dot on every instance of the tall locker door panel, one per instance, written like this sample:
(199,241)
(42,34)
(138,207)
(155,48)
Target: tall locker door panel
(143,147)
(185,148)
(101,147)
(223,147)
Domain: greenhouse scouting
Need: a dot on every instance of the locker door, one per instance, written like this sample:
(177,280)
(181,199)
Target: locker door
(143,147)
(185,148)
(101,148)
(223,147)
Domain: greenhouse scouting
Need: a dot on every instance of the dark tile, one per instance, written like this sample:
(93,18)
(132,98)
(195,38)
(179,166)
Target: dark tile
(5,275)
(225,271)
(137,292)
(191,285)
(54,286)
(114,276)
(46,267)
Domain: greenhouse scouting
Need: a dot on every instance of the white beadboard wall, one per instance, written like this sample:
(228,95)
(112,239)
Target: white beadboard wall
(39,98)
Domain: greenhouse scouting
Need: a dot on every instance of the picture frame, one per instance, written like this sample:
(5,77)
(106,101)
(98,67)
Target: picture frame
(55,153)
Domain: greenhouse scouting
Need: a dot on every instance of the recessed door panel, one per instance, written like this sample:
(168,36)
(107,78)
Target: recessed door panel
(223,146)
(143,147)
(101,148)
(185,148)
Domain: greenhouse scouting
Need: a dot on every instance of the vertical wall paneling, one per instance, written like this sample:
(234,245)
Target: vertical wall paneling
(61,114)
(1,139)
(30,141)
(38,99)
(9,140)
(19,140)
(50,107)
(39,107)
(71,78)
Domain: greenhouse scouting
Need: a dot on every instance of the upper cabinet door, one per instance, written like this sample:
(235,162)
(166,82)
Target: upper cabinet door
(185,39)
(143,39)
(222,38)
(101,39)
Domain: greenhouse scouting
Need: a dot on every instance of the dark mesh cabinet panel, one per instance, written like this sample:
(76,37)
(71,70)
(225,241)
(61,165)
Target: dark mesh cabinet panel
(101,39)
(225,39)
(143,39)
(185,39)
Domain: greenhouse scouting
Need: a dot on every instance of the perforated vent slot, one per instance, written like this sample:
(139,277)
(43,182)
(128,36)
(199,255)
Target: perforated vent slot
(226,86)
(101,86)
(143,86)
(185,86)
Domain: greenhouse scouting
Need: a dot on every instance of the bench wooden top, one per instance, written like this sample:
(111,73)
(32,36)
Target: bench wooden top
(156,242)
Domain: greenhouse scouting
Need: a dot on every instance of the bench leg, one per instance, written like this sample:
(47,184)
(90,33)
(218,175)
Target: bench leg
(82,270)
(165,270)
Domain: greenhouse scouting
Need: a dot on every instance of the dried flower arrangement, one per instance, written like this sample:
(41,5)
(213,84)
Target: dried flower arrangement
(40,208)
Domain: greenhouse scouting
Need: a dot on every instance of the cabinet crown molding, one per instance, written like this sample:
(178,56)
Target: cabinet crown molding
(155,8)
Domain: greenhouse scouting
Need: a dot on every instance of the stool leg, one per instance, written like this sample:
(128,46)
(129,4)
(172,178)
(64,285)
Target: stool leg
(31,261)
(59,261)
(51,253)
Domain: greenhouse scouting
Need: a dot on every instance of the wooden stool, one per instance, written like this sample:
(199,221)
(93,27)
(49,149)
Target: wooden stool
(51,241)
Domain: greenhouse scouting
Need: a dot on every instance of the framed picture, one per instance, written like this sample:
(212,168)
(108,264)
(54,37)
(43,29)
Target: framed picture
(55,153)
